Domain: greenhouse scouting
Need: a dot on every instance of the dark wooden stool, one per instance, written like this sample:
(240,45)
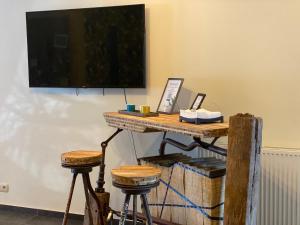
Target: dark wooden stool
(82,162)
(135,180)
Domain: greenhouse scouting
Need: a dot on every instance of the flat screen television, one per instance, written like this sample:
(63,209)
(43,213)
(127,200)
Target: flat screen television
(100,47)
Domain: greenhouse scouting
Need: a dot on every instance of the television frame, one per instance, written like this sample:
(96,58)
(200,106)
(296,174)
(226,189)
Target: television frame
(143,83)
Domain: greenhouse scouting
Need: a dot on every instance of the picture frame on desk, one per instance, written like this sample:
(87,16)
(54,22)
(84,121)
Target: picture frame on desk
(169,97)
(198,101)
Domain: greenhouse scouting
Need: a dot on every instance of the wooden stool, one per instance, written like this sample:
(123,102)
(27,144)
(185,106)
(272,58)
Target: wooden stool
(135,180)
(82,162)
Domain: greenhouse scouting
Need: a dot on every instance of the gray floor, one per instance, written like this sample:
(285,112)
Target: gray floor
(29,217)
(12,217)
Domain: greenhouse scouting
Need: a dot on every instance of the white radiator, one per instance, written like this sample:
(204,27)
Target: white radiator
(279,187)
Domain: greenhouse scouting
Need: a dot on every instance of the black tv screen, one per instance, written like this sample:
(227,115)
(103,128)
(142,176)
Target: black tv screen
(100,47)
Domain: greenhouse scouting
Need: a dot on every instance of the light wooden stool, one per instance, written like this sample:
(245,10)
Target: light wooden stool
(82,161)
(135,180)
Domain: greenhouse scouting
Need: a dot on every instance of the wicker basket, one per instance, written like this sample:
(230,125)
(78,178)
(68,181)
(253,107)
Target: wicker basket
(191,190)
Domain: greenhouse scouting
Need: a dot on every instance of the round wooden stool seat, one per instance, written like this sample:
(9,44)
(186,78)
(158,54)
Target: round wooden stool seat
(81,158)
(134,175)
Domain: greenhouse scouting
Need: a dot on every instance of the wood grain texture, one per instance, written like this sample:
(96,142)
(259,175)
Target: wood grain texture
(243,167)
(169,123)
(104,204)
(81,157)
(152,195)
(189,180)
(161,193)
(135,175)
(178,215)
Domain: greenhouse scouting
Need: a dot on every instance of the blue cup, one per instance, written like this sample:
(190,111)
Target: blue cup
(130,107)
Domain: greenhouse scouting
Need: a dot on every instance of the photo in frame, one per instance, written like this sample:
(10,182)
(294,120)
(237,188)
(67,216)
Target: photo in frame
(168,99)
(198,101)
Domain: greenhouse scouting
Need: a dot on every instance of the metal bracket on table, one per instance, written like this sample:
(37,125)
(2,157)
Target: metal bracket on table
(100,181)
(197,143)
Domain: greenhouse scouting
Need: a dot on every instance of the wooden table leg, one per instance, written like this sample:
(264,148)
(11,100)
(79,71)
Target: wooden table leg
(104,206)
(242,169)
(100,191)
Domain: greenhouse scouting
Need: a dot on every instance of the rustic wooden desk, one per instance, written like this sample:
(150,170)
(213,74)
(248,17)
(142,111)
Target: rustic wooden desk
(167,123)
(170,123)
(244,134)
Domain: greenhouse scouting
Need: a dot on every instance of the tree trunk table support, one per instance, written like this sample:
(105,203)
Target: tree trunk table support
(244,145)
(243,170)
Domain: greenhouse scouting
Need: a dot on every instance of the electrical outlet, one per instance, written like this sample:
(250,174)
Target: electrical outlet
(4,187)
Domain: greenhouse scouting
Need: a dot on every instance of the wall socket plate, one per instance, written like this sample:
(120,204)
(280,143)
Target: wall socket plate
(4,187)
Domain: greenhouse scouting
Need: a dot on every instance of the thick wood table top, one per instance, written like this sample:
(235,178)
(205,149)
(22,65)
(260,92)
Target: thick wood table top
(169,123)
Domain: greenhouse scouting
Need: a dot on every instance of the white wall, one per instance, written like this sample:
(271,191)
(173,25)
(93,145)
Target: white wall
(243,54)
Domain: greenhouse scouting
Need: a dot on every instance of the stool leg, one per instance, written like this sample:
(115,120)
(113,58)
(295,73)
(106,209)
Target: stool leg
(88,205)
(134,209)
(90,188)
(146,208)
(125,210)
(65,220)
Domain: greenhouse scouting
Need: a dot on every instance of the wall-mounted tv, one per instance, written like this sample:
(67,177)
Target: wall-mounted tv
(100,47)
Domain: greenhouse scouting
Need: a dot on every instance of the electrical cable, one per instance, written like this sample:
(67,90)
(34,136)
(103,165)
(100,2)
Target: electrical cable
(125,96)
(134,148)
(132,137)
